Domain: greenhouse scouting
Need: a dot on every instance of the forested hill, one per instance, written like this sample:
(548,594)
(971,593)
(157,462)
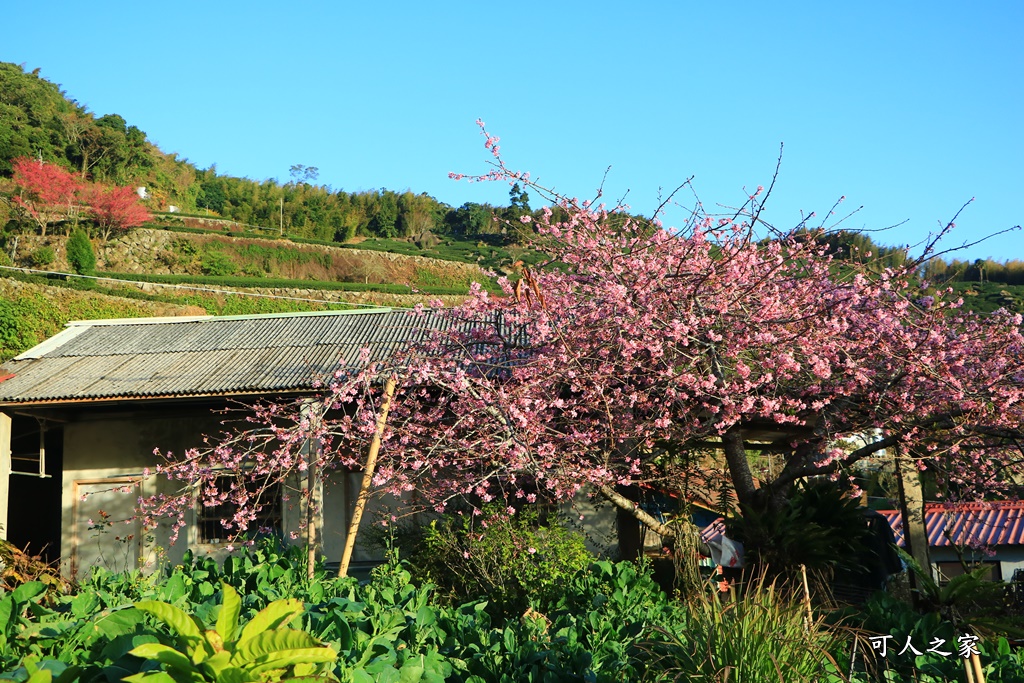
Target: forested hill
(37,119)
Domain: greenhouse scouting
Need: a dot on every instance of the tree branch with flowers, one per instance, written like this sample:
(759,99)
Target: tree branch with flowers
(636,343)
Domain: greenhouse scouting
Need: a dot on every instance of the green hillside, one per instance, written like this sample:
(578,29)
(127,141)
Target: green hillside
(39,120)
(300,239)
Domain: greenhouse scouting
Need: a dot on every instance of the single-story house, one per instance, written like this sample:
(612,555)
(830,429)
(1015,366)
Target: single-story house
(990,533)
(82,412)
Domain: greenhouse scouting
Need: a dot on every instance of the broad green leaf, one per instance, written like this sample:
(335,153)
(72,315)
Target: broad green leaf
(68,675)
(270,642)
(231,607)
(121,645)
(303,670)
(426,616)
(41,676)
(273,615)
(411,671)
(174,588)
(217,664)
(165,655)
(387,675)
(84,604)
(177,619)
(150,677)
(27,591)
(344,632)
(6,611)
(119,623)
(317,654)
(234,675)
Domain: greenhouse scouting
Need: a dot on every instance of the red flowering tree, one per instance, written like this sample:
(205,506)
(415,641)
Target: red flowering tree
(48,192)
(644,343)
(115,209)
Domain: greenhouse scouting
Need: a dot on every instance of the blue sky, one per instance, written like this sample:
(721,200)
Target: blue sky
(908,109)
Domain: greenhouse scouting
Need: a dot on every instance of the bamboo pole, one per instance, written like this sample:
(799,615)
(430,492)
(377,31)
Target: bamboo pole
(807,597)
(364,488)
(979,675)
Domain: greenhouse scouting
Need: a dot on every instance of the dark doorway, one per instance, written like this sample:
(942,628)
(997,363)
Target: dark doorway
(34,504)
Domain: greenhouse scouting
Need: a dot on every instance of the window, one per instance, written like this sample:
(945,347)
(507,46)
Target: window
(949,570)
(267,520)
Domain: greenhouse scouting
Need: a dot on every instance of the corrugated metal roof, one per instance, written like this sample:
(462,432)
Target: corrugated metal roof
(990,523)
(106,359)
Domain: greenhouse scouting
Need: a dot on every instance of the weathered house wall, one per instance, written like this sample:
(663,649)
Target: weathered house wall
(104,460)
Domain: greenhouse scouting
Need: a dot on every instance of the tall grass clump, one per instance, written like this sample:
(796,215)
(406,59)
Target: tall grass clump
(763,636)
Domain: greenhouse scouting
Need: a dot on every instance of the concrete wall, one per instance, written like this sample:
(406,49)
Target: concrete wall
(104,460)
(597,520)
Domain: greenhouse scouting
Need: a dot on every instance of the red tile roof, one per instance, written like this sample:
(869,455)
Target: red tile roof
(987,524)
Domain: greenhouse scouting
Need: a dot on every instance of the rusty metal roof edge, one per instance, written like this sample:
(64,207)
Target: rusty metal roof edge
(142,398)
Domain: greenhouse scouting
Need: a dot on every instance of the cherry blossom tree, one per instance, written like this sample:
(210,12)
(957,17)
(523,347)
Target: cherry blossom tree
(48,192)
(639,345)
(646,342)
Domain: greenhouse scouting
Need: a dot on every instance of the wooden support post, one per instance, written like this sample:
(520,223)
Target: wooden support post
(368,469)
(312,509)
(313,486)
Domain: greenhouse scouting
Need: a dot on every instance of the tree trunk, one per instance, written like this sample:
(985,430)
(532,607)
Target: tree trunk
(739,466)
(915,533)
(313,413)
(364,489)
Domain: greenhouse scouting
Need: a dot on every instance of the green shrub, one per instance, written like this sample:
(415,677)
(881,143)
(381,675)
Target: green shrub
(514,561)
(253,270)
(819,526)
(43,256)
(80,254)
(217,263)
